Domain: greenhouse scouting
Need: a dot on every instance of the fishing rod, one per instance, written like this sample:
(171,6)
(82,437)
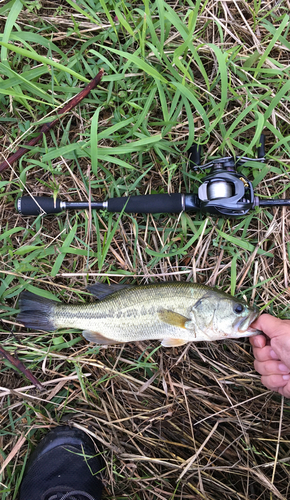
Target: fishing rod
(224,191)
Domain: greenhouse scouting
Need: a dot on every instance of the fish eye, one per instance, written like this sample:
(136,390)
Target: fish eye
(238,308)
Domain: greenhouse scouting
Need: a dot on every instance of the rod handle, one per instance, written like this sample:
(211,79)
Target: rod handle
(147,204)
(37,205)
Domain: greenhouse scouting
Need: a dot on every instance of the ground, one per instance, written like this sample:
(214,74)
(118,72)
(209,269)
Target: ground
(188,422)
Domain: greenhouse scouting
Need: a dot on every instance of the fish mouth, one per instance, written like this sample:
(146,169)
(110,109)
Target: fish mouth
(242,325)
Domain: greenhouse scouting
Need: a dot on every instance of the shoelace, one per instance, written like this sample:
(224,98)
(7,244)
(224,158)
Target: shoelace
(72,495)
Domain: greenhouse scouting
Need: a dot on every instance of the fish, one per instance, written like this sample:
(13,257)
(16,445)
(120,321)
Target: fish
(173,312)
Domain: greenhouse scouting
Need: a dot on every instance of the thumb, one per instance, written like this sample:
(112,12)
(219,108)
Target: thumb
(271,326)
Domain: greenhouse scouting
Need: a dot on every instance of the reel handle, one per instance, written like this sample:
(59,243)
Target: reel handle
(261,147)
(194,155)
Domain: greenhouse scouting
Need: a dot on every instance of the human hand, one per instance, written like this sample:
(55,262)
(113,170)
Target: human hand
(273,354)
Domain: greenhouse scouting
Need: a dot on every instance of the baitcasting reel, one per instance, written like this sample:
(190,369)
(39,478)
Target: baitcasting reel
(223,192)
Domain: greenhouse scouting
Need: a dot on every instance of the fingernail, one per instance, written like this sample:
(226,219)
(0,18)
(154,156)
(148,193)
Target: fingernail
(273,354)
(283,368)
(286,377)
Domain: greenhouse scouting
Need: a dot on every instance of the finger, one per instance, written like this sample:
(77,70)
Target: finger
(271,367)
(265,354)
(258,341)
(281,345)
(285,391)
(271,326)
(274,382)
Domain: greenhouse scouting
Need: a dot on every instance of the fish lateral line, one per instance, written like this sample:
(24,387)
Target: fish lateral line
(172,312)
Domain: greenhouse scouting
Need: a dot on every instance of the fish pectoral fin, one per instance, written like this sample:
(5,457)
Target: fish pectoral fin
(172,318)
(98,338)
(173,342)
(102,290)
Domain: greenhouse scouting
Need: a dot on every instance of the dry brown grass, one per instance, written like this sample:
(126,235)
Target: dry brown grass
(193,422)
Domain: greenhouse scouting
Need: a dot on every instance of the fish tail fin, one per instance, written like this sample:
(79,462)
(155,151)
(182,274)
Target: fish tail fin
(36,312)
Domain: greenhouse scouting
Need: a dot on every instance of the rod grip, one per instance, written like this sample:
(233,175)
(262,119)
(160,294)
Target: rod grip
(147,204)
(36,205)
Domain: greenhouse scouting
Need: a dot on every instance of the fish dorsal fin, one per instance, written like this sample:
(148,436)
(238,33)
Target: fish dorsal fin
(98,338)
(173,342)
(172,318)
(102,290)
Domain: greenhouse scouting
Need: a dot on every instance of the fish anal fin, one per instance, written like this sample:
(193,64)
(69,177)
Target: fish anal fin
(98,338)
(172,318)
(173,342)
(102,290)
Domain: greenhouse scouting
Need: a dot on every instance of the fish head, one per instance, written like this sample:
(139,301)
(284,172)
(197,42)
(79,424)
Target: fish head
(220,315)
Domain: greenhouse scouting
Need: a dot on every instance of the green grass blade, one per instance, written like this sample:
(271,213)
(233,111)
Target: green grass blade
(222,70)
(59,260)
(284,91)
(84,12)
(123,21)
(197,107)
(94,141)
(15,10)
(137,61)
(275,36)
(44,60)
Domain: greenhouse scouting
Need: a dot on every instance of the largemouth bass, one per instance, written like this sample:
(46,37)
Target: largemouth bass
(174,312)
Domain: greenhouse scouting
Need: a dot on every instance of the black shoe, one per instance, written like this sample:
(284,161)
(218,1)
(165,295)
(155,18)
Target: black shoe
(64,466)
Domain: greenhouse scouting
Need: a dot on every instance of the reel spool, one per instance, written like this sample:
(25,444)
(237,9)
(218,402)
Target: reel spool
(226,193)
(219,189)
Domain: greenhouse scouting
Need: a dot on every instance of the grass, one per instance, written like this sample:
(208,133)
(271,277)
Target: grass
(192,422)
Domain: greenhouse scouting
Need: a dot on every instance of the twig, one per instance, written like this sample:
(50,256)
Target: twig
(17,364)
(47,126)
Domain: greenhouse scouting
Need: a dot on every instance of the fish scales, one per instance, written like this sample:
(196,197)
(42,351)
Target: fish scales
(173,312)
(132,312)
